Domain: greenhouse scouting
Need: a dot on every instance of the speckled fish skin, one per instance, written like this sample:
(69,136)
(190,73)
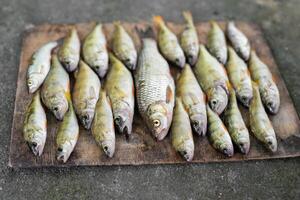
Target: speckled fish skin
(123,47)
(120,89)
(85,94)
(213,80)
(69,52)
(181,132)
(193,99)
(39,66)
(189,39)
(216,43)
(235,124)
(94,51)
(269,92)
(103,125)
(67,135)
(238,40)
(35,126)
(56,89)
(155,89)
(218,134)
(168,43)
(239,77)
(260,124)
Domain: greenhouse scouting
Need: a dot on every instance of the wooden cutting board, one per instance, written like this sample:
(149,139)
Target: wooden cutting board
(142,148)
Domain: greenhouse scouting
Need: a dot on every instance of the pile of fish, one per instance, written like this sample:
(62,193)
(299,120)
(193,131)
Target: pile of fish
(212,80)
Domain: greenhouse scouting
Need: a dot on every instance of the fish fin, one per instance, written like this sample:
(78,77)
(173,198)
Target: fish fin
(117,23)
(145,32)
(158,21)
(187,15)
(169,94)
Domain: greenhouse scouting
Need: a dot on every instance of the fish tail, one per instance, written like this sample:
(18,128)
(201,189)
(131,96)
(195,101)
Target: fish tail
(158,21)
(117,23)
(213,23)
(187,15)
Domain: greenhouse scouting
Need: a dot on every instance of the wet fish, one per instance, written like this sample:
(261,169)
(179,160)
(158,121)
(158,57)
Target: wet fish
(216,43)
(123,47)
(94,51)
(218,134)
(269,92)
(238,40)
(260,124)
(239,77)
(35,125)
(181,132)
(39,66)
(168,43)
(56,89)
(193,99)
(103,125)
(69,52)
(213,80)
(85,94)
(189,39)
(155,89)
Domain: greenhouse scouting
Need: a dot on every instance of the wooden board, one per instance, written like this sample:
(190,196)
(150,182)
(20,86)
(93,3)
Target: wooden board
(142,148)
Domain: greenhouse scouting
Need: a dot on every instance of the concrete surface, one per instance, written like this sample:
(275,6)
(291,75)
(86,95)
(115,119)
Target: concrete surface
(276,179)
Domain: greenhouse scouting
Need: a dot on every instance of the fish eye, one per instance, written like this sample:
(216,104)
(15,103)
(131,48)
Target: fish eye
(97,67)
(270,142)
(196,123)
(59,149)
(105,148)
(34,144)
(156,123)
(214,102)
(55,109)
(242,144)
(29,82)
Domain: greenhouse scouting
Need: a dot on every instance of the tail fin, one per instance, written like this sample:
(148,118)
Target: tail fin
(117,23)
(187,15)
(146,32)
(158,21)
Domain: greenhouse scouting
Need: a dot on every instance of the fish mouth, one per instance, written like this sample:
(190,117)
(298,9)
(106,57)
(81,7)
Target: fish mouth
(108,148)
(31,86)
(69,65)
(130,64)
(228,151)
(271,144)
(272,107)
(160,135)
(186,155)
(37,149)
(61,155)
(191,59)
(86,121)
(199,124)
(180,61)
(100,70)
(243,147)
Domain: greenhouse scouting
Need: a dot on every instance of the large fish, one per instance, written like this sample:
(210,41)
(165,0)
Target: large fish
(155,89)
(39,66)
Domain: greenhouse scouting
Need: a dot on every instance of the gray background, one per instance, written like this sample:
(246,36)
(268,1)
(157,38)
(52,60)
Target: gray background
(275,179)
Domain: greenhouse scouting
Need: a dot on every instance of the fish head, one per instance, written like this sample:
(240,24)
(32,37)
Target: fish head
(108,147)
(130,61)
(271,143)
(59,105)
(243,143)
(218,99)
(270,96)
(123,121)
(64,150)
(192,58)
(33,82)
(100,67)
(86,118)
(199,123)
(186,150)
(37,140)
(180,60)
(225,147)
(245,95)
(69,62)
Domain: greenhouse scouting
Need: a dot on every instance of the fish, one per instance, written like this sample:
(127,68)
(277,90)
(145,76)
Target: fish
(216,42)
(85,94)
(56,89)
(39,66)
(193,99)
(260,124)
(218,134)
(123,46)
(94,51)
(69,52)
(235,124)
(155,89)
(35,125)
(238,40)
(213,80)
(168,43)
(103,129)
(269,92)
(189,39)
(239,77)
(181,132)
(67,135)
(120,89)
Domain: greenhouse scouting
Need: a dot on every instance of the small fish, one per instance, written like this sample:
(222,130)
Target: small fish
(155,89)
(85,94)
(35,125)
(218,134)
(235,124)
(94,51)
(69,52)
(260,124)
(238,40)
(39,66)
(189,39)
(56,89)
(216,43)
(168,43)
(193,99)
(181,132)
(239,77)
(213,80)
(123,47)
(269,92)
(67,135)
(103,125)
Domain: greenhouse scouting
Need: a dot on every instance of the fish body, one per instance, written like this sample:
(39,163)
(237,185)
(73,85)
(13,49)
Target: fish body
(155,89)
(94,51)
(35,125)
(85,94)
(39,66)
